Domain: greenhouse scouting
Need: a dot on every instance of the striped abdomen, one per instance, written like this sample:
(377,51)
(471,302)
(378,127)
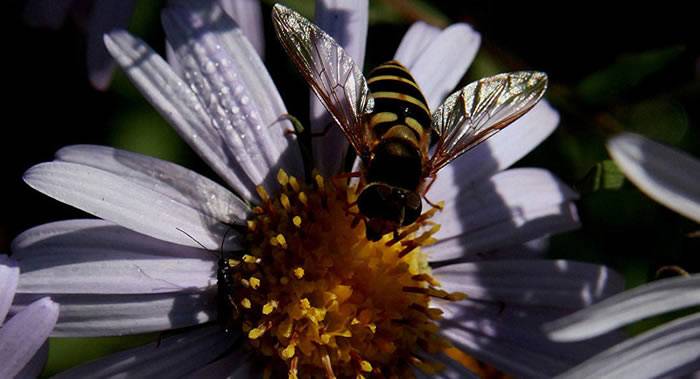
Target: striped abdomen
(400,126)
(398,102)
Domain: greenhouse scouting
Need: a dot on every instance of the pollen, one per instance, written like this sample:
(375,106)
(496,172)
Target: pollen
(317,299)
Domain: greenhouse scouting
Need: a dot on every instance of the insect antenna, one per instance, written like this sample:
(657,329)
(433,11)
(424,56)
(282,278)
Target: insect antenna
(199,243)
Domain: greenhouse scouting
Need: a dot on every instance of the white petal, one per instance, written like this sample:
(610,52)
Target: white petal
(33,369)
(625,308)
(511,325)
(128,203)
(236,365)
(115,315)
(558,284)
(24,334)
(235,88)
(444,61)
(668,176)
(532,249)
(174,356)
(176,182)
(248,16)
(106,15)
(514,359)
(508,232)
(97,257)
(670,350)
(507,146)
(414,42)
(345,21)
(509,208)
(9,274)
(173,99)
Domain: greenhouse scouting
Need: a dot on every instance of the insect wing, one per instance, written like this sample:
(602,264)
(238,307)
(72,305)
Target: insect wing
(479,110)
(330,71)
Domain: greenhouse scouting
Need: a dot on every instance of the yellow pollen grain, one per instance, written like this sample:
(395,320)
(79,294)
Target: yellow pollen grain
(288,352)
(245,303)
(303,199)
(294,183)
(372,327)
(281,240)
(320,183)
(269,307)
(257,332)
(249,259)
(251,225)
(366,366)
(298,272)
(284,200)
(254,282)
(262,194)
(285,328)
(233,262)
(296,221)
(282,177)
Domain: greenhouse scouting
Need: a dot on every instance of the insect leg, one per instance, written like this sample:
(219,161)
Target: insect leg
(430,182)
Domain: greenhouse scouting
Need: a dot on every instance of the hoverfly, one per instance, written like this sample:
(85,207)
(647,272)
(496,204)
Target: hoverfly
(387,121)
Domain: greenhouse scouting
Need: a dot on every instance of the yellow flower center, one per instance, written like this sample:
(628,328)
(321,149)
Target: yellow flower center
(317,297)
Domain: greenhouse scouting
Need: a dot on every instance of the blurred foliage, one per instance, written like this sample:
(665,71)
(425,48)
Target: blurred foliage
(65,353)
(605,77)
(625,74)
(603,176)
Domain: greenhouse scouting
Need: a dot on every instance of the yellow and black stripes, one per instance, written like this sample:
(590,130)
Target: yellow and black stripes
(397,100)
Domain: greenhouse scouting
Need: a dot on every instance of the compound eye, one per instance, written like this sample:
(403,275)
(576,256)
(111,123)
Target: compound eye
(412,208)
(399,194)
(384,192)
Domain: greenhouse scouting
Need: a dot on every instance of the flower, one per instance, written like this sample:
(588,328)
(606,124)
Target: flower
(670,350)
(101,16)
(150,263)
(23,347)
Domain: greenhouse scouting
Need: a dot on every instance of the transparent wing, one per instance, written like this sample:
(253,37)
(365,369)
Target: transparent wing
(329,70)
(479,110)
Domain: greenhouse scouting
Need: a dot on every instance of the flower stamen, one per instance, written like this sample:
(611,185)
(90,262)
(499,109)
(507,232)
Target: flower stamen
(322,299)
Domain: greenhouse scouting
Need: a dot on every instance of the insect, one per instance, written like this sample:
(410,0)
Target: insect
(387,121)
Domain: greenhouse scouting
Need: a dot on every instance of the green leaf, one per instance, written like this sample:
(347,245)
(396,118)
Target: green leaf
(603,175)
(628,72)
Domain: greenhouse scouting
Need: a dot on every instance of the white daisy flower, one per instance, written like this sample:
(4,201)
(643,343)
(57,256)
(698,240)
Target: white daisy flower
(23,346)
(670,350)
(310,293)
